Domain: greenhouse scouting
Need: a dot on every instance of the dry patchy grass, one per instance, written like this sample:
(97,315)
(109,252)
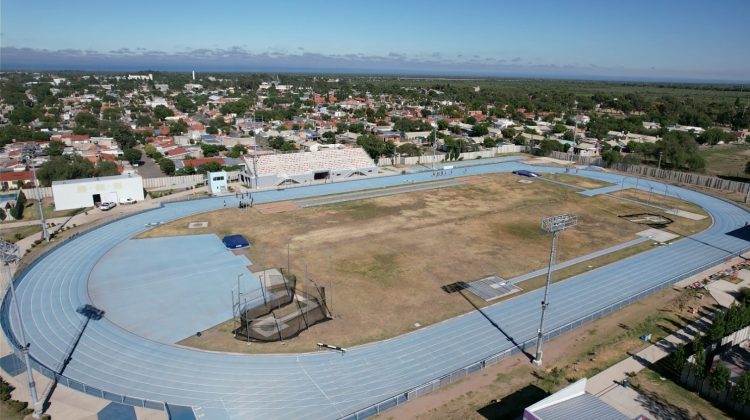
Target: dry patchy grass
(391,255)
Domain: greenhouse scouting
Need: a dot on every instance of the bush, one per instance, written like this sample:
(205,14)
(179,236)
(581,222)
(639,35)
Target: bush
(744,295)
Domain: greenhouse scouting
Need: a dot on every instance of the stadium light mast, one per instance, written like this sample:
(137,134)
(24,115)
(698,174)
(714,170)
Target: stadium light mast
(38,197)
(553,225)
(434,148)
(9,255)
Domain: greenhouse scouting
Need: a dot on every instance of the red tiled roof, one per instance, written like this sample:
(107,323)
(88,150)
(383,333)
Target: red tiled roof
(202,161)
(16,176)
(176,151)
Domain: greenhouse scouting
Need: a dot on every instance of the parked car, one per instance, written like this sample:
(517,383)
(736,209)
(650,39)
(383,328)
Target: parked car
(128,201)
(107,206)
(523,172)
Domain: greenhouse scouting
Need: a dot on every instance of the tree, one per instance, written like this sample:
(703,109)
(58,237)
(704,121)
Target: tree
(489,142)
(59,168)
(329,137)
(184,104)
(211,150)
(714,136)
(372,146)
(548,146)
(150,150)
(3,215)
(508,133)
(479,130)
(719,377)
(718,326)
(700,362)
(442,125)
(166,166)
(106,168)
(678,359)
(86,120)
(569,135)
(209,167)
(409,149)
(55,148)
(17,211)
(237,151)
(178,127)
(611,156)
(741,393)
(23,115)
(132,155)
(161,112)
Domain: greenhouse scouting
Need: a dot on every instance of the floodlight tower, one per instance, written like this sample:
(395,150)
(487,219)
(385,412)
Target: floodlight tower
(553,225)
(9,255)
(38,197)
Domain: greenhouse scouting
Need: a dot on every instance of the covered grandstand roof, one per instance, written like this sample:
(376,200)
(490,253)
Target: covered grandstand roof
(305,162)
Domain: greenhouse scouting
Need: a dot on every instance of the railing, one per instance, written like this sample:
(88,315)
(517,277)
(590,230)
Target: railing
(457,374)
(367,412)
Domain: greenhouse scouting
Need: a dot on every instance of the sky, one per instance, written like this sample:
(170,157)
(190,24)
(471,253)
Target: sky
(604,39)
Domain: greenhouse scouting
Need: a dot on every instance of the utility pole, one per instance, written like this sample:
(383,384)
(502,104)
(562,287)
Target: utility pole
(553,225)
(38,197)
(8,256)
(659,165)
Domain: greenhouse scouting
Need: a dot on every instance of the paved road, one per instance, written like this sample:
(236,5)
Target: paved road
(324,384)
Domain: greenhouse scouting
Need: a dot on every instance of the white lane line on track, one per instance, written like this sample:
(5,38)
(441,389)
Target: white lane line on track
(319,388)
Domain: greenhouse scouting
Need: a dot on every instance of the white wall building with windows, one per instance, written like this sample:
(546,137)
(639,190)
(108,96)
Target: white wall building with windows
(217,182)
(89,192)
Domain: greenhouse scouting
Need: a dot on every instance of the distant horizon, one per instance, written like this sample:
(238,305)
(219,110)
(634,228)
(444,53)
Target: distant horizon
(356,72)
(639,40)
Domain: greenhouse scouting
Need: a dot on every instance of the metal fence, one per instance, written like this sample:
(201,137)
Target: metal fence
(428,159)
(367,412)
(699,180)
(460,373)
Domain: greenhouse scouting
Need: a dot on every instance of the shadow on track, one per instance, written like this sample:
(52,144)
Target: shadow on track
(494,324)
(90,313)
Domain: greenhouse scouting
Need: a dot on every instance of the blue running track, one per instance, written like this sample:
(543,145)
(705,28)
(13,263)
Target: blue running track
(325,384)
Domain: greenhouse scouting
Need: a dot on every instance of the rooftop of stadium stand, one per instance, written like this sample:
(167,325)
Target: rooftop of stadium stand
(306,162)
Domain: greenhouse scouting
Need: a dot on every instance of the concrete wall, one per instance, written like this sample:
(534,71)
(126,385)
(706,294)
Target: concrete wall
(182,181)
(80,193)
(307,178)
(428,159)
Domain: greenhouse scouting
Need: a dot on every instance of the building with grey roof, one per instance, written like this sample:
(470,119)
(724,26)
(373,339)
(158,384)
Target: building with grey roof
(572,402)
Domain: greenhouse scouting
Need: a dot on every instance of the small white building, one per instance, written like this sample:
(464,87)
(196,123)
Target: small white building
(88,192)
(217,182)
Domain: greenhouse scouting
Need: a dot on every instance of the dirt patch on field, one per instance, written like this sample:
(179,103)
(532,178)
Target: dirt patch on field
(391,255)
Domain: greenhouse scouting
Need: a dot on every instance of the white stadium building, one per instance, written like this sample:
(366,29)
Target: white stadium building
(307,167)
